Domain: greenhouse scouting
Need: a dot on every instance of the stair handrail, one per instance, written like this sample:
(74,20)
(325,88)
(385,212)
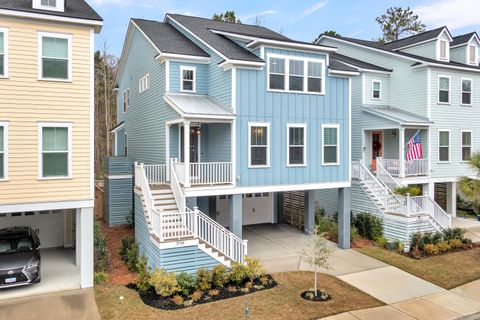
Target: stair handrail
(385,177)
(176,188)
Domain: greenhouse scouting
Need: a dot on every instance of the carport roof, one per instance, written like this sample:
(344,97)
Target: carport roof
(198,106)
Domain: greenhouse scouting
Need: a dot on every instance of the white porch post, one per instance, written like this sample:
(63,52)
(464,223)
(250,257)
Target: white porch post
(452,198)
(186,152)
(85,246)
(167,151)
(401,152)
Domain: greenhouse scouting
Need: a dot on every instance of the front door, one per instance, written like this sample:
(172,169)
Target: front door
(194,144)
(376,148)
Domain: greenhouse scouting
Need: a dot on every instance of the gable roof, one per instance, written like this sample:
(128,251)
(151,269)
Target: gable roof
(417,38)
(357,63)
(340,66)
(79,9)
(463,39)
(168,39)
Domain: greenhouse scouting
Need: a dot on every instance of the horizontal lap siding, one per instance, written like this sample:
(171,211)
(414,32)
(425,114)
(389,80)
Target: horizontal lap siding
(424,50)
(256,104)
(119,166)
(24,101)
(118,194)
(384,91)
(201,76)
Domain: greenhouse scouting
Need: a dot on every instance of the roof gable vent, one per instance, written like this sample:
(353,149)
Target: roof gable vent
(50,5)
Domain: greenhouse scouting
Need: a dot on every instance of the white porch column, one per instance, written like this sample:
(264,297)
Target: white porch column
(84,248)
(186,152)
(452,198)
(167,150)
(401,152)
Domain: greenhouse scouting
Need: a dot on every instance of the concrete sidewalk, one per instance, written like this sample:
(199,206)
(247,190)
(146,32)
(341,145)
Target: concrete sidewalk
(472,227)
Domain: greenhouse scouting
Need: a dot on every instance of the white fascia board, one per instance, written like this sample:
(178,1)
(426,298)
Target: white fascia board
(44,206)
(120,127)
(207,116)
(228,64)
(162,57)
(429,64)
(334,73)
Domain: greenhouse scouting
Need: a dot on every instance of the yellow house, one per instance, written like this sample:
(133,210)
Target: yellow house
(46,133)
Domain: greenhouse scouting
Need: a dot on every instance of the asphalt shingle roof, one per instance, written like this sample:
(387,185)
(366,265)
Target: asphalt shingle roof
(463,39)
(168,39)
(357,63)
(340,66)
(424,36)
(73,9)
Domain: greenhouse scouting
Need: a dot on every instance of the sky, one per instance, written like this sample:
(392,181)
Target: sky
(297,19)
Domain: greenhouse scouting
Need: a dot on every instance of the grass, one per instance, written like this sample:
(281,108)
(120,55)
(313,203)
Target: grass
(282,302)
(447,271)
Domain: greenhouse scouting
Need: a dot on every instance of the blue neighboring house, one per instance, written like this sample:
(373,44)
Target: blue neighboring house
(219,121)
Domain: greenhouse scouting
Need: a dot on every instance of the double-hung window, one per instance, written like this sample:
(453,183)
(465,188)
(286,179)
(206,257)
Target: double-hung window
(144,83)
(276,73)
(297,146)
(466,92)
(472,54)
(330,144)
(376,89)
(297,71)
(126,100)
(259,144)
(443,89)
(187,81)
(3,150)
(443,47)
(55,149)
(315,74)
(125,145)
(443,145)
(55,56)
(466,145)
(3,52)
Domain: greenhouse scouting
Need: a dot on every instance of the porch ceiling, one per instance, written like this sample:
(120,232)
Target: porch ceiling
(398,116)
(198,107)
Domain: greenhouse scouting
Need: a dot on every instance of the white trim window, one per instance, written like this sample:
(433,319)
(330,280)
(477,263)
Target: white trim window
(3,151)
(125,145)
(295,74)
(467,92)
(443,145)
(258,145)
(466,145)
(330,144)
(296,145)
(188,79)
(126,100)
(472,54)
(443,50)
(52,5)
(55,150)
(144,83)
(3,53)
(443,90)
(376,89)
(55,56)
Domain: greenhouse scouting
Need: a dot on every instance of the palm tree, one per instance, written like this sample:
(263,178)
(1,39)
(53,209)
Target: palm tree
(470,187)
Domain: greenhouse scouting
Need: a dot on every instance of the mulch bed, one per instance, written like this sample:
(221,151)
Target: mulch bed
(151,298)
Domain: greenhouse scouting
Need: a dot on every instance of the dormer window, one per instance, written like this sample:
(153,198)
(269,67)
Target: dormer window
(472,54)
(52,5)
(443,55)
(49,3)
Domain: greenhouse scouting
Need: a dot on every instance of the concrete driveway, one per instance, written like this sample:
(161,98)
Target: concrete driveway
(472,227)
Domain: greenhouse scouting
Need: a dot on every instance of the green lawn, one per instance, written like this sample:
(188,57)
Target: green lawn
(281,302)
(448,271)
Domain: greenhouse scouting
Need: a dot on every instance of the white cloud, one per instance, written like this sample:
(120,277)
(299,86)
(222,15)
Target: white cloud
(454,14)
(258,14)
(356,33)
(314,8)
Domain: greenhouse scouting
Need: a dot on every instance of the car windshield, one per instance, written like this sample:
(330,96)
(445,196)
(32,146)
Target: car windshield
(16,244)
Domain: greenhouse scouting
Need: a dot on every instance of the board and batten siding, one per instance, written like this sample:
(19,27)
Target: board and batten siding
(256,104)
(146,116)
(25,101)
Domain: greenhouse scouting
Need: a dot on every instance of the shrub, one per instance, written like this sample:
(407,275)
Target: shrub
(431,249)
(354,236)
(415,240)
(196,295)
(381,241)
(412,190)
(454,233)
(204,279)
(125,246)
(213,292)
(455,243)
(368,226)
(326,226)
(219,275)
(100,277)
(254,269)
(100,248)
(443,247)
(238,274)
(186,283)
(178,300)
(164,283)
(129,252)
(143,277)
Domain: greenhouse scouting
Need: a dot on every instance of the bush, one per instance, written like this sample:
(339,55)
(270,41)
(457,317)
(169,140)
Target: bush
(381,241)
(204,279)
(412,190)
(443,247)
(455,243)
(326,226)
(178,300)
(127,242)
(129,252)
(431,249)
(354,236)
(100,248)
(196,295)
(100,277)
(254,269)
(219,275)
(143,277)
(164,283)
(368,226)
(454,233)
(186,283)
(238,273)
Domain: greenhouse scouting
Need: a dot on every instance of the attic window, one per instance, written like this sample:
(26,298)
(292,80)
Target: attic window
(472,50)
(52,5)
(49,3)
(443,50)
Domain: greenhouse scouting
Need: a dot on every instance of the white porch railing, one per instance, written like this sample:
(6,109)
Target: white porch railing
(428,205)
(411,168)
(204,173)
(175,185)
(156,174)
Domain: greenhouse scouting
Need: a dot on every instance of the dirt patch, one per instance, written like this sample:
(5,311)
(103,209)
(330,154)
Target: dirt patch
(118,273)
(361,243)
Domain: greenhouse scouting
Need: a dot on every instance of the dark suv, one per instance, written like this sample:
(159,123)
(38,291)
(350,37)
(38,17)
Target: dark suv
(19,257)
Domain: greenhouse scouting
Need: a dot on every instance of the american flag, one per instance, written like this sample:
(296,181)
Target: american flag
(415,150)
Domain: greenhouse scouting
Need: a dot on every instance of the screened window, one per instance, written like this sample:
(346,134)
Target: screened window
(277,73)
(49,3)
(315,72)
(473,54)
(55,58)
(188,79)
(376,88)
(330,145)
(444,90)
(443,49)
(2,53)
(444,146)
(466,91)
(2,152)
(296,145)
(55,152)
(466,145)
(259,145)
(297,71)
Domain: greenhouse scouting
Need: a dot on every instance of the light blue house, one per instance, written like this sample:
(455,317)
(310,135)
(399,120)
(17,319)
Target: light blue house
(426,87)
(220,120)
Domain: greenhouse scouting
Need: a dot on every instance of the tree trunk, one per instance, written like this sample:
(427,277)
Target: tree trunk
(315,281)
